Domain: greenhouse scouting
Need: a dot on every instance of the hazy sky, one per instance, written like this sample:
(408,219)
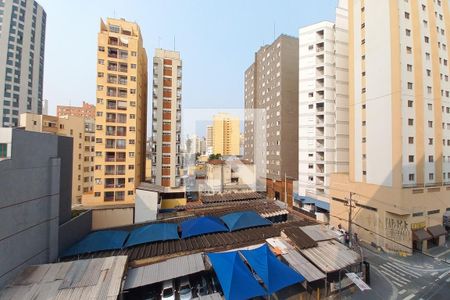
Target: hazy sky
(217,41)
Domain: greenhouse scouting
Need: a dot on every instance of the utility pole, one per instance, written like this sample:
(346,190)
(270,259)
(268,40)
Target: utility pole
(285,189)
(349,226)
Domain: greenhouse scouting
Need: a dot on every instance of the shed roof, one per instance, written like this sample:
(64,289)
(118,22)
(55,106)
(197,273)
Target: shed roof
(303,266)
(244,219)
(319,232)
(299,238)
(152,233)
(202,225)
(98,241)
(421,235)
(330,256)
(98,278)
(168,269)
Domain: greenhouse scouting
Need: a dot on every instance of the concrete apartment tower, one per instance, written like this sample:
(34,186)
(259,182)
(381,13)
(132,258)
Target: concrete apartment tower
(167,76)
(226,133)
(121,112)
(271,84)
(323,105)
(399,113)
(209,139)
(82,131)
(22,46)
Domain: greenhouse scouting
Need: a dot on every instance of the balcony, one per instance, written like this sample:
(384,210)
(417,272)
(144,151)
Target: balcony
(109,196)
(113,41)
(112,67)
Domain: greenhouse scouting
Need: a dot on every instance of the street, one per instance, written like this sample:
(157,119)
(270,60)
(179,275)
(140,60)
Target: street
(394,277)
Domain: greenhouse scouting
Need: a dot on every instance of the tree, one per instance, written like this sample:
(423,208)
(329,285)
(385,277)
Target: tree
(215,156)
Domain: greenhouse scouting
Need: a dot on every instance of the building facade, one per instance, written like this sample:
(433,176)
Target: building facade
(22,44)
(323,104)
(82,131)
(271,85)
(85,111)
(226,134)
(209,139)
(399,117)
(121,113)
(166,138)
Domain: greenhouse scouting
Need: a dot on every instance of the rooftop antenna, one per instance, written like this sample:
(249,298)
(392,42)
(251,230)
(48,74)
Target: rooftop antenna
(274,31)
(174,43)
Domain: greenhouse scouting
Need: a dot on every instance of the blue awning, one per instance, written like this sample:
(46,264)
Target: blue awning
(275,274)
(244,219)
(98,241)
(235,278)
(152,233)
(202,225)
(318,203)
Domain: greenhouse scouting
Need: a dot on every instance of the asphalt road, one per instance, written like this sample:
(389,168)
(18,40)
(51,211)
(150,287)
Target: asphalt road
(414,277)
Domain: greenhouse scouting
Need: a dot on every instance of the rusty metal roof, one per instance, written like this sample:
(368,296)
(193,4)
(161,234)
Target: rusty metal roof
(299,238)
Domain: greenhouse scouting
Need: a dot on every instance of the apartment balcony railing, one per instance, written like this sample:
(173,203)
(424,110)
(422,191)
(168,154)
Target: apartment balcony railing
(112,68)
(111,94)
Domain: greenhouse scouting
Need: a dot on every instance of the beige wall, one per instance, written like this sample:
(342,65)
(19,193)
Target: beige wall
(112,217)
(386,215)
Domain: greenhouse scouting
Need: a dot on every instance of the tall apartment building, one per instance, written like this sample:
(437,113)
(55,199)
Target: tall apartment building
(81,130)
(323,104)
(22,46)
(226,133)
(399,113)
(167,76)
(86,110)
(209,139)
(121,112)
(271,85)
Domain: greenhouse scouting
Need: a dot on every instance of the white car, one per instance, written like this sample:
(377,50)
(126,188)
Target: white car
(185,290)
(340,234)
(168,291)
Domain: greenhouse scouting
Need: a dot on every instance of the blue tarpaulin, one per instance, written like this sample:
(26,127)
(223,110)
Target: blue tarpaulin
(275,274)
(98,241)
(152,233)
(308,200)
(202,225)
(244,219)
(235,278)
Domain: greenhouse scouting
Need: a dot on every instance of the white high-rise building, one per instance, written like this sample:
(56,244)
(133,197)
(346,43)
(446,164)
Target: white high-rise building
(22,46)
(323,104)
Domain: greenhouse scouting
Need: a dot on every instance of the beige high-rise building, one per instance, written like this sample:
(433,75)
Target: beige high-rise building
(226,134)
(82,132)
(121,113)
(209,139)
(399,117)
(271,85)
(166,138)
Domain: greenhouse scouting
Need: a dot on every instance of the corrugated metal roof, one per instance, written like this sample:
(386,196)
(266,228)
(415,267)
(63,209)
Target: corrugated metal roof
(303,266)
(158,272)
(330,256)
(437,230)
(299,238)
(98,278)
(319,232)
(421,235)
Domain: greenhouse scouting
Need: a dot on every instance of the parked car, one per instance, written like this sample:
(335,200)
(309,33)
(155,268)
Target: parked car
(168,291)
(185,290)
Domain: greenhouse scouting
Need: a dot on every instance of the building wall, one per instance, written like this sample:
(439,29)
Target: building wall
(34,199)
(323,104)
(226,134)
(22,59)
(271,84)
(81,130)
(121,113)
(112,217)
(166,118)
(146,206)
(86,111)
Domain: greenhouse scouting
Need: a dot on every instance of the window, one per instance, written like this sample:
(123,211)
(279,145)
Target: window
(428,72)
(408,32)
(430,158)
(429,89)
(130,167)
(430,106)
(430,124)
(410,122)
(3,150)
(131,154)
(409,68)
(411,158)
(133,66)
(410,86)
(411,177)
(408,50)
(133,53)
(410,103)
(101,48)
(430,141)
(427,39)
(431,176)
(411,140)
(406,15)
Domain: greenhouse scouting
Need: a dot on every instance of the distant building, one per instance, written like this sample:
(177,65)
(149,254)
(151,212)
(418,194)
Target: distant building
(36,173)
(166,118)
(86,110)
(81,130)
(323,104)
(22,47)
(271,85)
(209,139)
(230,175)
(226,133)
(121,113)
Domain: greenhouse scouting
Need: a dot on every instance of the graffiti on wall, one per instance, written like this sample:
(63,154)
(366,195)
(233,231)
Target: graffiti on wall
(397,229)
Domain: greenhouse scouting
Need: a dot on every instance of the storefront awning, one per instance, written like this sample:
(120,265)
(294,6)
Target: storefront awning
(318,203)
(421,235)
(437,230)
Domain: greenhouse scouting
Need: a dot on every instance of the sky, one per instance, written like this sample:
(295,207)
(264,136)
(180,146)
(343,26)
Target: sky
(217,41)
